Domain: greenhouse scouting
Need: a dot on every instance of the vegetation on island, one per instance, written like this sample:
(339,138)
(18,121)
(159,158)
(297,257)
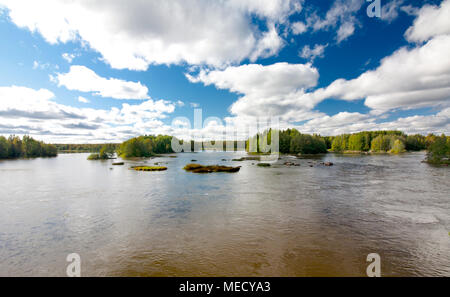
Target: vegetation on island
(15,147)
(149,168)
(107,151)
(294,142)
(145,146)
(197,168)
(291,141)
(439,150)
(377,142)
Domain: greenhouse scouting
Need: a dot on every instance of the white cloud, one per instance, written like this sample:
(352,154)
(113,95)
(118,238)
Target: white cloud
(390,10)
(268,45)
(41,66)
(298,28)
(409,78)
(345,122)
(273,90)
(27,111)
(341,14)
(313,53)
(82,99)
(81,78)
(345,31)
(216,33)
(431,21)
(68,57)
(410,10)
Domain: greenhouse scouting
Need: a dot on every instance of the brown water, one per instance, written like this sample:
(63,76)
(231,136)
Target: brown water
(279,221)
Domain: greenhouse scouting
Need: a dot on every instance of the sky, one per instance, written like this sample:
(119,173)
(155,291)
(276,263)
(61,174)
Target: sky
(95,71)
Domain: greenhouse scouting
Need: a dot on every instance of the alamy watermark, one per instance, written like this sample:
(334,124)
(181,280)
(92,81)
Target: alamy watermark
(374,268)
(374,8)
(256,136)
(74,268)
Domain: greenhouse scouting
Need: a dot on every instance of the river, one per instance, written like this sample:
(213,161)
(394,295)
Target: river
(277,221)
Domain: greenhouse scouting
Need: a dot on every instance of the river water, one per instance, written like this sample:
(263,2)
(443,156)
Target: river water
(278,221)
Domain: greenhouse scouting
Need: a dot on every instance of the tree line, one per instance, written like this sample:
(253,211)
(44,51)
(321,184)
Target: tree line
(145,146)
(439,150)
(82,148)
(15,147)
(379,141)
(291,141)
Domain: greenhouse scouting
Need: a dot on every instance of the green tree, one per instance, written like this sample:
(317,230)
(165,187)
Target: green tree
(439,150)
(356,142)
(107,151)
(3,148)
(338,144)
(398,147)
(15,147)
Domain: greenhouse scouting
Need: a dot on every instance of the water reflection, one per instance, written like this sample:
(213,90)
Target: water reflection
(278,221)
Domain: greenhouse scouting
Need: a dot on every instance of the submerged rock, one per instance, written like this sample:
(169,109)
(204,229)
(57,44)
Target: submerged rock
(118,163)
(328,164)
(264,164)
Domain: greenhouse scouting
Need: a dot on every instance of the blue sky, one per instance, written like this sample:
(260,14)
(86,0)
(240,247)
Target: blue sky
(96,71)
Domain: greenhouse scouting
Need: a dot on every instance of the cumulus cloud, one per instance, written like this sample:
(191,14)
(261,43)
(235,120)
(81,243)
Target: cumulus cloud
(35,112)
(268,45)
(345,122)
(216,33)
(431,21)
(273,90)
(81,78)
(409,78)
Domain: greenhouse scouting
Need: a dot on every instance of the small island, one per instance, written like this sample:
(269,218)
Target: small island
(149,168)
(291,142)
(197,168)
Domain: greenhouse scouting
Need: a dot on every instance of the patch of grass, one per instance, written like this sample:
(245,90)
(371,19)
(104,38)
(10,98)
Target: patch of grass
(197,168)
(149,168)
(94,157)
(254,158)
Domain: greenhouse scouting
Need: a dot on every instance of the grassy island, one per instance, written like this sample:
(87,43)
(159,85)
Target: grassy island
(149,168)
(197,168)
(106,152)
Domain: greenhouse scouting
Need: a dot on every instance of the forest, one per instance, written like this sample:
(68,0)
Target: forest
(291,141)
(82,148)
(15,147)
(145,146)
